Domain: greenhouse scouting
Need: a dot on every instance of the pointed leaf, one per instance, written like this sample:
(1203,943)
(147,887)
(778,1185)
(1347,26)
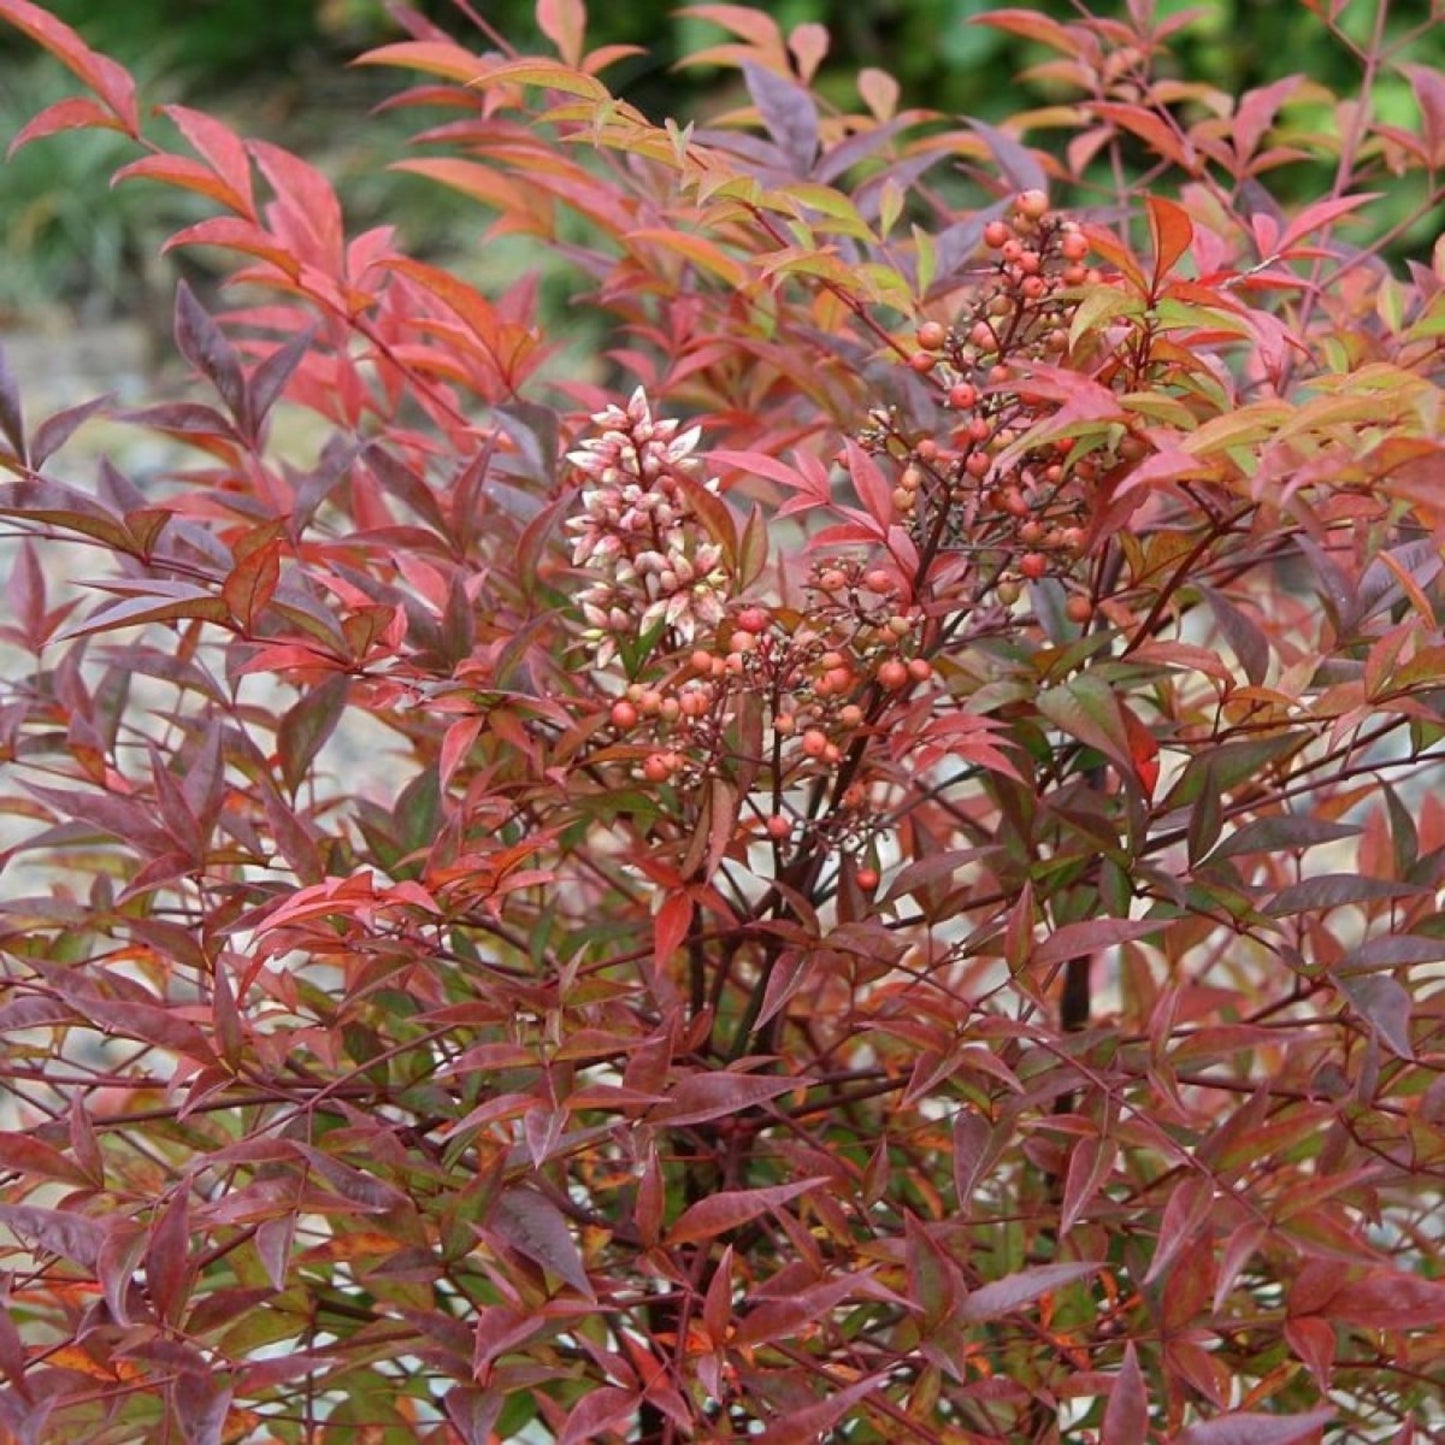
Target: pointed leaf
(1249,1427)
(535,1227)
(699,1097)
(719,1213)
(1004,1296)
(1126,1418)
(599,1411)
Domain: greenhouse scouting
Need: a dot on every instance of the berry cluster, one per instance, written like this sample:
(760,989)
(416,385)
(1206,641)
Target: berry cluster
(1023,517)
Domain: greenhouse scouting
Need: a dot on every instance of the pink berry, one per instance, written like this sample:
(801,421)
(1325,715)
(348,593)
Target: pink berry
(932,335)
(893,674)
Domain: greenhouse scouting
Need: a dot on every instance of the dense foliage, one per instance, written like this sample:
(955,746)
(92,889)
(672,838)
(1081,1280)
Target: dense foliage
(865,868)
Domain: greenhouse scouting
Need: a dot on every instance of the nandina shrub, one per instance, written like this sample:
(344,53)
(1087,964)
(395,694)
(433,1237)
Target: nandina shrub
(866,869)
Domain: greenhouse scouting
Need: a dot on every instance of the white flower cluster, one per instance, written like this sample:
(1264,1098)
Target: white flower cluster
(640,531)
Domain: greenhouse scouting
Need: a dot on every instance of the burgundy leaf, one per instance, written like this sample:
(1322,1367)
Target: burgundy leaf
(1126,1418)
(535,1227)
(1249,1427)
(1004,1296)
(789,114)
(719,1213)
(699,1097)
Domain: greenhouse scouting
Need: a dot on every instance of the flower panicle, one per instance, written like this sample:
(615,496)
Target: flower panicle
(638,531)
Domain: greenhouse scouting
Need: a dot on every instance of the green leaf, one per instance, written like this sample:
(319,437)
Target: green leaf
(1085,707)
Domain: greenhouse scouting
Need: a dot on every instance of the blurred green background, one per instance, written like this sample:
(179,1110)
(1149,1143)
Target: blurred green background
(277,68)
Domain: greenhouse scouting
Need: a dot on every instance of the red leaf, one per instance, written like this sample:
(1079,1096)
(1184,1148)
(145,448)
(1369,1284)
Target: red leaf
(1187,1208)
(233,235)
(184,174)
(717,1303)
(1090,1163)
(167,1258)
(719,1213)
(775,1319)
(1387,1004)
(1004,1296)
(873,490)
(310,210)
(1076,940)
(1313,1342)
(1126,1418)
(972,1136)
(564,23)
(56,505)
(110,81)
(77,113)
(195,603)
(596,1413)
(27,1155)
(435,57)
(812,1423)
(700,1097)
(1389,1300)
(1143,749)
(202,1402)
(1171,232)
(1248,1427)
(221,148)
(669,928)
(1153,131)
(56,1231)
(1429,87)
(1321,214)
(1032,26)
(534,1226)
(252,583)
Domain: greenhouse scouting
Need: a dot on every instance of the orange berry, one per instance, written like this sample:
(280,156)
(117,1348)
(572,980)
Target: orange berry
(996,234)
(961,397)
(893,674)
(624,715)
(920,669)
(657,768)
(1078,609)
(815,742)
(1033,204)
(1033,565)
(922,361)
(866,879)
(779,827)
(932,335)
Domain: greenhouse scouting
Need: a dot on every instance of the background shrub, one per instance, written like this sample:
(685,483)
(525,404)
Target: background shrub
(863,867)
